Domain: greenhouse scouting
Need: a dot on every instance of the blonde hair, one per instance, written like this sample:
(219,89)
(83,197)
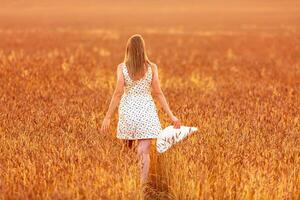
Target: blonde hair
(135,56)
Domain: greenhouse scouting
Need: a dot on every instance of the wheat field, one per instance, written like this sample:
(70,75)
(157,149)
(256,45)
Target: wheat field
(235,77)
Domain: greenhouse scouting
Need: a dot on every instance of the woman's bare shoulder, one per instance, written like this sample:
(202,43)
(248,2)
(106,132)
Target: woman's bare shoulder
(120,65)
(153,66)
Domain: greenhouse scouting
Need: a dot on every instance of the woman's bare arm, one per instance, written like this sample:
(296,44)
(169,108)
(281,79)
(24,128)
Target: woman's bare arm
(115,100)
(157,92)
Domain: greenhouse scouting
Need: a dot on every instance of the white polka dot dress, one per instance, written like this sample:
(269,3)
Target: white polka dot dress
(138,118)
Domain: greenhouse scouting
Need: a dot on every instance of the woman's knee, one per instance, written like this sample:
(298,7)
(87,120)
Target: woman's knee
(144,146)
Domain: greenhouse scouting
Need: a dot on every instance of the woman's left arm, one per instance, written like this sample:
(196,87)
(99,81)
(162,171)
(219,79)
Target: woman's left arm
(114,101)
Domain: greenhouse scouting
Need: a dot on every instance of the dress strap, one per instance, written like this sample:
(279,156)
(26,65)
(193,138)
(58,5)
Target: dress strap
(149,75)
(125,73)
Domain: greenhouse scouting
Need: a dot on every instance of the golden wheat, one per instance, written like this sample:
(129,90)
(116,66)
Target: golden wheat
(241,90)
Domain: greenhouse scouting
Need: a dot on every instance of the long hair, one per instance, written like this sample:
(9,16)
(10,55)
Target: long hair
(135,56)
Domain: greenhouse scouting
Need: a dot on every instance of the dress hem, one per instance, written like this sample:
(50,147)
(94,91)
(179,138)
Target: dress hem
(136,138)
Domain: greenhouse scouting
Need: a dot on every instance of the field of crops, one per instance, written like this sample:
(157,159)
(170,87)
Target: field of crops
(238,83)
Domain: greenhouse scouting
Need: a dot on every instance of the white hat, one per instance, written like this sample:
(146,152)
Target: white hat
(170,136)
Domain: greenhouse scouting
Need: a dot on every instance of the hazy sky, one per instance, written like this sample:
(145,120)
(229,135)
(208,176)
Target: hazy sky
(135,12)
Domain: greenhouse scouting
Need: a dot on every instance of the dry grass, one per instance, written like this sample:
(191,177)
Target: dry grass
(239,87)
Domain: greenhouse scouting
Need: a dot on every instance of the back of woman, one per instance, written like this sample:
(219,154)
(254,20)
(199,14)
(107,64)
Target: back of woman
(137,81)
(138,118)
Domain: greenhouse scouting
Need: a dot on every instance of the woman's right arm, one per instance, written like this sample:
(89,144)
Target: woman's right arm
(157,92)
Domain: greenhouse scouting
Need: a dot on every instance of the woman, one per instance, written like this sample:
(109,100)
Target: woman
(138,118)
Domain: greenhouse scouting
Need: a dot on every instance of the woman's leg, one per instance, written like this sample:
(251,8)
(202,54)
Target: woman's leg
(143,150)
(129,143)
